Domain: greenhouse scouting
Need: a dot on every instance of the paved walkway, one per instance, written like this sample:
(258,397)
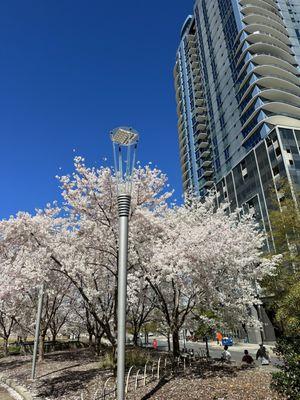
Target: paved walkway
(7,394)
(215,350)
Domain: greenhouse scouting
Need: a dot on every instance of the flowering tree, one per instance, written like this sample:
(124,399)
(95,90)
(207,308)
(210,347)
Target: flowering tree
(27,263)
(7,322)
(141,304)
(80,241)
(180,258)
(206,258)
(91,200)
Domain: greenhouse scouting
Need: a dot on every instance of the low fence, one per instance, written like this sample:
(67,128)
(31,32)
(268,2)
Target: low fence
(140,377)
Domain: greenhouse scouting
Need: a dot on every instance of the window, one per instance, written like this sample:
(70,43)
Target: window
(244,170)
(226,153)
(275,170)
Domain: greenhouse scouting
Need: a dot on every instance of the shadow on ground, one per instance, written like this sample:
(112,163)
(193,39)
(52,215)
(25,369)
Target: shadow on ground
(159,385)
(211,369)
(12,364)
(68,382)
(71,355)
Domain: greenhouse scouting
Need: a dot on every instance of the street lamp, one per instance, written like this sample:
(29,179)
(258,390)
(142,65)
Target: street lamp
(37,330)
(124,147)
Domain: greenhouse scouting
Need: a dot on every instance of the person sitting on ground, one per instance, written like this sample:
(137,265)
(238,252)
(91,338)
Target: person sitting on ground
(226,356)
(247,358)
(262,355)
(191,353)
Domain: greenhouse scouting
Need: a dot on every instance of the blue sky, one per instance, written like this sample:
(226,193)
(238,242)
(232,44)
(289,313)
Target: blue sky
(70,71)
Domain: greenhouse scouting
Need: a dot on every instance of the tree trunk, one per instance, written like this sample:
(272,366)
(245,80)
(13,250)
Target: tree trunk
(206,345)
(5,347)
(114,355)
(98,338)
(135,337)
(176,346)
(169,343)
(54,336)
(42,347)
(90,339)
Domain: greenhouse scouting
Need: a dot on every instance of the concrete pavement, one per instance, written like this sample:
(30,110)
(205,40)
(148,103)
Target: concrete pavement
(7,393)
(215,350)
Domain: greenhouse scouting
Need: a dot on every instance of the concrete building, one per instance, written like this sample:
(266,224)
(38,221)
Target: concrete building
(238,97)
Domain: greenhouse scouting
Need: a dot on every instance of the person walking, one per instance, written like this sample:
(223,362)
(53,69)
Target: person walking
(219,338)
(155,344)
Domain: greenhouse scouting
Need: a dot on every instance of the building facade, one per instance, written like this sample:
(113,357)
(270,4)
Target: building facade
(237,80)
(238,101)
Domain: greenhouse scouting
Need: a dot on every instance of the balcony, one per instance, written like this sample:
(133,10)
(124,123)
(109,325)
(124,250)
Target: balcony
(203,145)
(261,4)
(192,50)
(206,163)
(199,96)
(193,58)
(179,105)
(208,183)
(201,118)
(201,135)
(195,65)
(205,153)
(198,87)
(208,172)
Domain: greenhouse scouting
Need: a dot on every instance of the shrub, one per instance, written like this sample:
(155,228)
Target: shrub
(134,356)
(287,380)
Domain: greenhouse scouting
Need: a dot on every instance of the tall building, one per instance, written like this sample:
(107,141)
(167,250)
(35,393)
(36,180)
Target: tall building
(238,98)
(238,103)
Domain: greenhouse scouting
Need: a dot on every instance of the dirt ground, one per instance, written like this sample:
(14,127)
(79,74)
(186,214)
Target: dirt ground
(243,385)
(72,374)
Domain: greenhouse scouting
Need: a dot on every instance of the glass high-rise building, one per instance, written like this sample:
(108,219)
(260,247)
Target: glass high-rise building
(238,102)
(238,97)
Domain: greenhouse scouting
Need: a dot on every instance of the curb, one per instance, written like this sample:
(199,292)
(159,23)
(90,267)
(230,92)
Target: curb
(21,391)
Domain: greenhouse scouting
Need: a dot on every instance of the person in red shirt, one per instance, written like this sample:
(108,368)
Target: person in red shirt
(155,344)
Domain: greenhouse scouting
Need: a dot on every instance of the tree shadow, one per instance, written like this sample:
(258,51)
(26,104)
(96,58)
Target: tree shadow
(59,370)
(212,369)
(71,355)
(71,381)
(162,382)
(12,364)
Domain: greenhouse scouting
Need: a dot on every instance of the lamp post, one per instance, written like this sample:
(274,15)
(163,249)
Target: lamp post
(37,330)
(124,148)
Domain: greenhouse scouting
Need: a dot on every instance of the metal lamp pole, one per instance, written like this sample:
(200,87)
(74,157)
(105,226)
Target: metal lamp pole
(124,144)
(37,330)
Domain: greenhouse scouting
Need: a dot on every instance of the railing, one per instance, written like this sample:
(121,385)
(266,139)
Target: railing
(141,377)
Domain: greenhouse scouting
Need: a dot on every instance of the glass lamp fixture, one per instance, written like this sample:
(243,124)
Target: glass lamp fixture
(125,142)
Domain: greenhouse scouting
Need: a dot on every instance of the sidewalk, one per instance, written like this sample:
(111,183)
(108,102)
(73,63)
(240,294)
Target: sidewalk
(241,346)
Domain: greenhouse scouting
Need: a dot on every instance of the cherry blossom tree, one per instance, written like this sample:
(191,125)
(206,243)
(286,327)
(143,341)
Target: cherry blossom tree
(141,304)
(180,257)
(26,264)
(80,240)
(205,257)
